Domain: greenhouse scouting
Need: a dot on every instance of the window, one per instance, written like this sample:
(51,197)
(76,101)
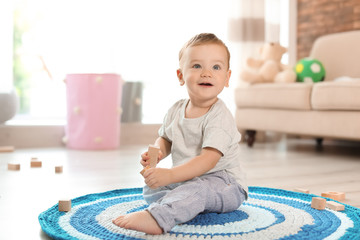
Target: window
(6,43)
(138,39)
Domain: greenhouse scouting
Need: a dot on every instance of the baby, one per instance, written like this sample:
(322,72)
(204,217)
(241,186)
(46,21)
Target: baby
(201,136)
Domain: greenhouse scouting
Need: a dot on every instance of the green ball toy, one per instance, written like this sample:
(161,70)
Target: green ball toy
(309,70)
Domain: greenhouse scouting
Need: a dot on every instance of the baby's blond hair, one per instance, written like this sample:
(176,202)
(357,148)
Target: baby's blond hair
(201,39)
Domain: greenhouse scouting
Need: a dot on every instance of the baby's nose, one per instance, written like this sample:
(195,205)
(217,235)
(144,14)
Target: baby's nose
(206,73)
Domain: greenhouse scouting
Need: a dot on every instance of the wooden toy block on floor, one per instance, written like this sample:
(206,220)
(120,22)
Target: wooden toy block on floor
(65,205)
(338,196)
(14,166)
(58,169)
(35,163)
(318,203)
(302,190)
(6,149)
(335,206)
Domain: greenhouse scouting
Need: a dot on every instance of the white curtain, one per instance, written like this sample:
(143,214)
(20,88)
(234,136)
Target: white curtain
(272,20)
(247,26)
(250,24)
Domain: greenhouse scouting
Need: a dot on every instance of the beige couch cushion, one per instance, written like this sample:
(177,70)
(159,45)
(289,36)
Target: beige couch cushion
(342,95)
(294,96)
(339,53)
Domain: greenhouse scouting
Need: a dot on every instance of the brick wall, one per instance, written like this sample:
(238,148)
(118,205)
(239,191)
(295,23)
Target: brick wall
(320,17)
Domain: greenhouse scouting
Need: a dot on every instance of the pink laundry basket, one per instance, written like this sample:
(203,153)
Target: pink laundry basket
(93,111)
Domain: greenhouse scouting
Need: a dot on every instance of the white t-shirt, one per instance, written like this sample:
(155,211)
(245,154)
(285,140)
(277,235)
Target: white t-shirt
(215,129)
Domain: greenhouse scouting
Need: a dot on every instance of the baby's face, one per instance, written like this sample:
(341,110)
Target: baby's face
(204,70)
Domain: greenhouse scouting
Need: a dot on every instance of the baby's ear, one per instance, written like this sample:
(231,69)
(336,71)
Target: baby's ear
(180,77)
(228,78)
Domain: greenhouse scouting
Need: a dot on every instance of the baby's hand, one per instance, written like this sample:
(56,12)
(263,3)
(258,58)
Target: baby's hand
(157,177)
(145,157)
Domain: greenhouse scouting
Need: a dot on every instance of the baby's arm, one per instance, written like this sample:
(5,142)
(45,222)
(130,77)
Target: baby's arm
(195,167)
(165,146)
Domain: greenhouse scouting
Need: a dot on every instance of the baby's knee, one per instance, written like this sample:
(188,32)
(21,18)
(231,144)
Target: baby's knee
(153,195)
(234,196)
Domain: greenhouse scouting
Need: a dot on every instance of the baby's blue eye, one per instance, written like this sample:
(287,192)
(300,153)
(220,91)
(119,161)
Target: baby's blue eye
(216,67)
(196,66)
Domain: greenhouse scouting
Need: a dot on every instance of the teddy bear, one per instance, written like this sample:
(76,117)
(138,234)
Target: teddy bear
(268,68)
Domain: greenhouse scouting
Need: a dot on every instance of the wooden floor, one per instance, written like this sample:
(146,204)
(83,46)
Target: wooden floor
(286,164)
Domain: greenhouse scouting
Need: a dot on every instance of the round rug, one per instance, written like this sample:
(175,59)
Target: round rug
(267,214)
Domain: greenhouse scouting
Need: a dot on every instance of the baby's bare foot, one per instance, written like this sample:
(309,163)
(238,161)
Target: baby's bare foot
(140,221)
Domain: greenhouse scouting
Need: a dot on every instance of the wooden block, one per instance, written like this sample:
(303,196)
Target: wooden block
(145,168)
(65,205)
(338,196)
(302,190)
(7,148)
(153,152)
(318,203)
(58,169)
(14,166)
(335,206)
(35,163)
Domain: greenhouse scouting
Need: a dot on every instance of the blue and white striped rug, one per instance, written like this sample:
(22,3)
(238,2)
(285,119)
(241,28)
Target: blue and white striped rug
(267,214)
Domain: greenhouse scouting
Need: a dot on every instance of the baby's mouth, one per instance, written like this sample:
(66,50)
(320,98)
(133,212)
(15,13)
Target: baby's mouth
(205,84)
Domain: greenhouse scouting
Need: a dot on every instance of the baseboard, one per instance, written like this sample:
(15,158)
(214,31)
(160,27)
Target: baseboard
(35,136)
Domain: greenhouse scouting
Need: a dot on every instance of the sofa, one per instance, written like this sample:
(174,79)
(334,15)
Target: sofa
(328,109)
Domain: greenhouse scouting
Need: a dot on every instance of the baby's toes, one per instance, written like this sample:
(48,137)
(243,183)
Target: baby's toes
(118,220)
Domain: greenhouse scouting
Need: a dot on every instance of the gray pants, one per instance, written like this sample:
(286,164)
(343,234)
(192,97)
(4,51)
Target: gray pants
(181,202)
